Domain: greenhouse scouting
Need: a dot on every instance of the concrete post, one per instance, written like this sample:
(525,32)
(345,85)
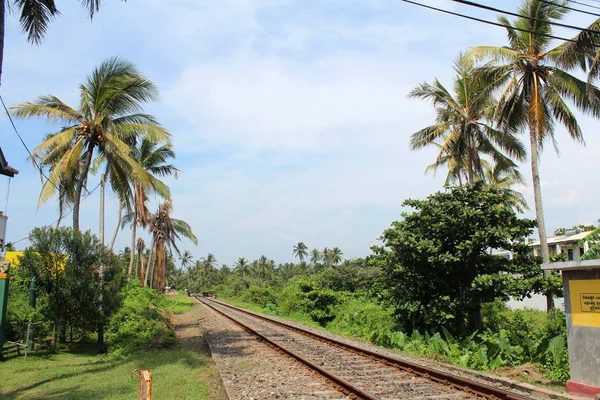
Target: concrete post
(581,285)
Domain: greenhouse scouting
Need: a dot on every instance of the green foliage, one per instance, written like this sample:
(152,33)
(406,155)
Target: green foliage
(66,265)
(581,227)
(362,317)
(142,322)
(593,240)
(318,303)
(437,269)
(259,296)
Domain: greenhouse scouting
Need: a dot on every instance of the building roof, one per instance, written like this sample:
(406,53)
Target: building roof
(560,239)
(572,265)
(6,169)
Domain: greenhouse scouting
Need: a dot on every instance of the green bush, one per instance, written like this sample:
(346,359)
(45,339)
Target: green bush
(142,322)
(362,317)
(259,295)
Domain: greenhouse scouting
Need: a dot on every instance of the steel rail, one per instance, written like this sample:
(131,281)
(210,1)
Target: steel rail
(347,386)
(455,381)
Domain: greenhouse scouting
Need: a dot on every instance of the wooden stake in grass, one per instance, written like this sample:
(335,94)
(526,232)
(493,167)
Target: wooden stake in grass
(145,377)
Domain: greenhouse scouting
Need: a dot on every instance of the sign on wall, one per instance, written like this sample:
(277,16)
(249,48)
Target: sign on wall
(585,302)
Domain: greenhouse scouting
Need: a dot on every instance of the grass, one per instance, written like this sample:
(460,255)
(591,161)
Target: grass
(82,374)
(179,303)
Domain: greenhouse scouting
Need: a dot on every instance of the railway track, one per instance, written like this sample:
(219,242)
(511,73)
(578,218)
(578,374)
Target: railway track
(356,371)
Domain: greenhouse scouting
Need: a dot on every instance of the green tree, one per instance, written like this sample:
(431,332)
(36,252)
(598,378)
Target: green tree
(186,259)
(326,256)
(209,263)
(300,251)
(336,255)
(535,84)
(461,126)
(153,158)
(580,227)
(593,240)
(65,263)
(436,267)
(503,176)
(315,257)
(166,231)
(241,267)
(264,267)
(107,119)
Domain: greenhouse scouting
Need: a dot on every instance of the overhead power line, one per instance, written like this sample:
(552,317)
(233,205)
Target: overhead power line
(571,8)
(484,7)
(24,145)
(583,4)
(485,21)
(65,214)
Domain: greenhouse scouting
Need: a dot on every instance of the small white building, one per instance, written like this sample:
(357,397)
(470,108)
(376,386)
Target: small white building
(568,244)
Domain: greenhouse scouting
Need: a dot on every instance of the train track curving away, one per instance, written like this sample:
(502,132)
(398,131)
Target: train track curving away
(356,371)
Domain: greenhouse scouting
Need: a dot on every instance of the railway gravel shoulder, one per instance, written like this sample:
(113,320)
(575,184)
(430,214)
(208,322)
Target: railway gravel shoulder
(526,389)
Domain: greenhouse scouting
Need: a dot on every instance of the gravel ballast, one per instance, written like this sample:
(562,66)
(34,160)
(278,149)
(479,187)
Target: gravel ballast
(251,369)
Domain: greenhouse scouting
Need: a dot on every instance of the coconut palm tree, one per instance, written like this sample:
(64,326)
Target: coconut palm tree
(326,256)
(336,255)
(461,131)
(153,158)
(209,263)
(315,257)
(504,176)
(534,84)
(107,119)
(300,251)
(166,231)
(241,267)
(186,259)
(35,16)
(263,267)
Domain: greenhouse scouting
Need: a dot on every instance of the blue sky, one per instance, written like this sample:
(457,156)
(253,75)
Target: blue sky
(290,118)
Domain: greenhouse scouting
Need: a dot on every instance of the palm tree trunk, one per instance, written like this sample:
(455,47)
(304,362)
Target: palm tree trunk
(2,17)
(87,158)
(470,155)
(132,249)
(539,210)
(149,263)
(112,243)
(140,269)
(60,208)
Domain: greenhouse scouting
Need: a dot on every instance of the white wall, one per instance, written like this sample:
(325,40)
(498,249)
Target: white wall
(536,302)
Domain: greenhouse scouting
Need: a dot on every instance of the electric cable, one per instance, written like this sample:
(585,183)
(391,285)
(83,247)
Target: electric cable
(583,4)
(570,8)
(486,21)
(24,145)
(66,214)
(488,8)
